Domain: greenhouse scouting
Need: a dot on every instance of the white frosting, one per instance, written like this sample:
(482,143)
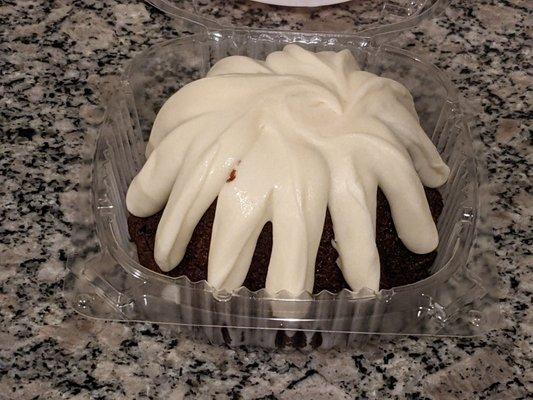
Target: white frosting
(299,132)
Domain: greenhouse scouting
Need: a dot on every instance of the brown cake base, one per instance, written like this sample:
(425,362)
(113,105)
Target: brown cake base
(399,266)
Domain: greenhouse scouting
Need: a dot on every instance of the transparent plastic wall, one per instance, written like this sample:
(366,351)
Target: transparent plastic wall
(364,17)
(106,281)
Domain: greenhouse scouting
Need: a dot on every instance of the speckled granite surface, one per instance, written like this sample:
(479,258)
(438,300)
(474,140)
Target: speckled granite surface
(53,57)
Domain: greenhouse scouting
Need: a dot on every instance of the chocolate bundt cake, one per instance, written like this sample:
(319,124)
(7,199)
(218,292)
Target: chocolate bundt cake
(297,173)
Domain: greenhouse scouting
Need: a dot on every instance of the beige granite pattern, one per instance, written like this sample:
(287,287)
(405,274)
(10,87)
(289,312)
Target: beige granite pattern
(54,57)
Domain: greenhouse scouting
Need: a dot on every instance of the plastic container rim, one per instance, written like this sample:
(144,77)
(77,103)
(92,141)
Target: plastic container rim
(375,30)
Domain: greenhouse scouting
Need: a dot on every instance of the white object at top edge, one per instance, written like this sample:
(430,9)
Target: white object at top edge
(301,3)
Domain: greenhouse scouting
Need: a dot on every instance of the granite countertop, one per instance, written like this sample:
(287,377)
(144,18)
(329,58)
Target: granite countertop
(54,56)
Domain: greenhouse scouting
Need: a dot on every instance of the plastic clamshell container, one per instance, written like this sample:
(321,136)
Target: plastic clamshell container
(362,17)
(106,281)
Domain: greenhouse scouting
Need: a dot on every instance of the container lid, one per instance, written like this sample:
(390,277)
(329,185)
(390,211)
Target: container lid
(362,17)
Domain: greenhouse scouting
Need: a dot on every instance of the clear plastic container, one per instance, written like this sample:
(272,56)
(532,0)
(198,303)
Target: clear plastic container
(364,17)
(106,280)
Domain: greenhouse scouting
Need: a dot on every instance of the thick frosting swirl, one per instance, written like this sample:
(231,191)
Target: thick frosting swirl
(281,140)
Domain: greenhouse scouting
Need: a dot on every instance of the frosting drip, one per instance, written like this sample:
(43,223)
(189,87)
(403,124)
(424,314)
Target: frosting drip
(281,140)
